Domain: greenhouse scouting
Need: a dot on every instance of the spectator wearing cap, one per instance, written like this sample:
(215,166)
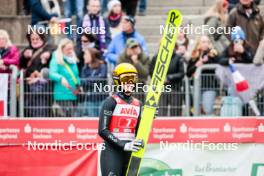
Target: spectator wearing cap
(94,23)
(9,54)
(114,16)
(118,43)
(134,55)
(247,15)
(239,51)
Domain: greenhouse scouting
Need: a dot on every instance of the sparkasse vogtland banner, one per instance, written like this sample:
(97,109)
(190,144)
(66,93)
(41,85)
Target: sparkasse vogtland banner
(177,147)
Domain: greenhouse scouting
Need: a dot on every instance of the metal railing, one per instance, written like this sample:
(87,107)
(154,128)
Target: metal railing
(13,91)
(204,82)
(42,103)
(175,103)
(197,86)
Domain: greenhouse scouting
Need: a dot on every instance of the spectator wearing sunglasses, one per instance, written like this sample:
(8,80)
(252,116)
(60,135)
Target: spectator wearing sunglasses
(87,41)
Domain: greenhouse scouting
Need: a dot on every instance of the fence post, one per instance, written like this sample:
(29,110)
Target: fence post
(13,100)
(21,94)
(187,90)
(197,91)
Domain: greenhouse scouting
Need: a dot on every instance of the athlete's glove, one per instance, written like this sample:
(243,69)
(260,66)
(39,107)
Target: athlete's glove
(134,145)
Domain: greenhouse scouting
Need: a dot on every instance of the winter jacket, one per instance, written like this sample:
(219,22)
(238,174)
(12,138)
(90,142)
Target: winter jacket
(175,72)
(219,41)
(99,25)
(38,13)
(91,77)
(118,44)
(207,81)
(142,66)
(56,73)
(36,64)
(10,56)
(253,26)
(246,57)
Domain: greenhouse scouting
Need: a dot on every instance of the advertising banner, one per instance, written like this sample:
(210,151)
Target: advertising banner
(3,94)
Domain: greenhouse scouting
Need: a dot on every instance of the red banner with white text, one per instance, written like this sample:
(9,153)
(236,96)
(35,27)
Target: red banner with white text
(61,146)
(21,131)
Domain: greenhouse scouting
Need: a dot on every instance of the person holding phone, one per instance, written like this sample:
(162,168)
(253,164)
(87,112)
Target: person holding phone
(239,50)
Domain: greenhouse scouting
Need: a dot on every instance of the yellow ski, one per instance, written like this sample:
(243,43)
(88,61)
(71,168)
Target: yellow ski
(159,75)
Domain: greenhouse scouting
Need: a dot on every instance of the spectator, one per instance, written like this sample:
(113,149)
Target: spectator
(239,51)
(129,6)
(142,7)
(93,73)
(34,59)
(184,46)
(174,80)
(247,15)
(216,18)
(9,54)
(118,43)
(95,23)
(204,53)
(115,16)
(64,73)
(134,55)
(87,41)
(44,10)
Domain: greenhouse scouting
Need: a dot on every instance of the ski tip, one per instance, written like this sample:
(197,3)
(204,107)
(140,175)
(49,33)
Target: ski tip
(175,17)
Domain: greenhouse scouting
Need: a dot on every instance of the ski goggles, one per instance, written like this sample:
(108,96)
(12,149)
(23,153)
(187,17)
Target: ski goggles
(128,78)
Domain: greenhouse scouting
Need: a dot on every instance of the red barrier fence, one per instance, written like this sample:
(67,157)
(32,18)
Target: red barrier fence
(70,146)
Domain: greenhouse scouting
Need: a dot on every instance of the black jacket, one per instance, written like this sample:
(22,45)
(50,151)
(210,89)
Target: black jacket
(175,72)
(246,57)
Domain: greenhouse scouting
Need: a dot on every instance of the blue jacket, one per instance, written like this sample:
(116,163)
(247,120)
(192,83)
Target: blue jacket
(58,71)
(91,77)
(38,12)
(118,45)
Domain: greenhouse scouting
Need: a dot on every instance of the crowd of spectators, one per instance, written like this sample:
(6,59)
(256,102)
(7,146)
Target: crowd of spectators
(71,67)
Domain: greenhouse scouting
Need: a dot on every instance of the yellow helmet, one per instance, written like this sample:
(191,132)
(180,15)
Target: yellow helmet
(125,72)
